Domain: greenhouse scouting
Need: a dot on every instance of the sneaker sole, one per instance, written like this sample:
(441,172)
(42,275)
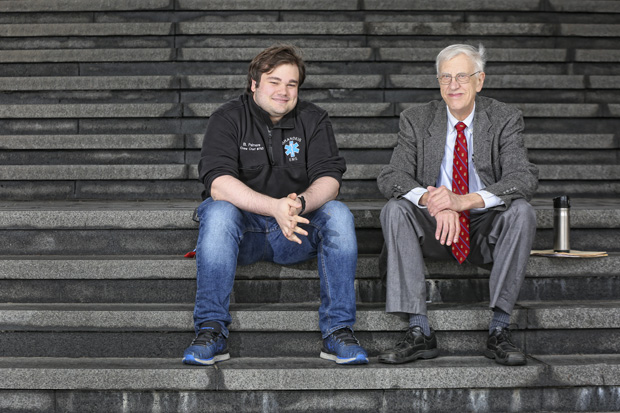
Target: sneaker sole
(424,354)
(519,360)
(359,359)
(190,359)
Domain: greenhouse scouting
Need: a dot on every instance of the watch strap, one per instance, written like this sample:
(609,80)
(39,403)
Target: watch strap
(303,204)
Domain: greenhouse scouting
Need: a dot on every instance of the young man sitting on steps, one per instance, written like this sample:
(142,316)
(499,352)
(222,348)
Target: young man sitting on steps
(271,171)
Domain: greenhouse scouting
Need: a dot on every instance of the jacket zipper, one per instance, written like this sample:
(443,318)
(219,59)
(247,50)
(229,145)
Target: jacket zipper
(269,147)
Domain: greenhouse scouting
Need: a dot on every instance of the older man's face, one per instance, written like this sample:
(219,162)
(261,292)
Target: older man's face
(460,97)
(276,92)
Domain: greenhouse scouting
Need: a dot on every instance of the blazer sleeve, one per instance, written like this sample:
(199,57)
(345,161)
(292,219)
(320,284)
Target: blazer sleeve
(399,176)
(518,178)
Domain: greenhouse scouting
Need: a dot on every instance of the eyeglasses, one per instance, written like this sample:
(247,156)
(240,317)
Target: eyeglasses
(446,79)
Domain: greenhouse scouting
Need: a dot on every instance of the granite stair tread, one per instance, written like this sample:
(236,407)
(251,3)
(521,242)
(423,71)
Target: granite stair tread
(314,81)
(585,213)
(335,109)
(299,317)
(567,6)
(378,53)
(181,171)
(177,267)
(304,373)
(533,141)
(311,28)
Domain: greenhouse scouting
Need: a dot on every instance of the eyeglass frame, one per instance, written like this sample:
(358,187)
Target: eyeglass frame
(456,78)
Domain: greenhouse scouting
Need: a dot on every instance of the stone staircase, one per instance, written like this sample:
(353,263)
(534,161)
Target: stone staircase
(103,108)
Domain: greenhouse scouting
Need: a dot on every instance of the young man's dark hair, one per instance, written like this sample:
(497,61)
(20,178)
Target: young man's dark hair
(271,58)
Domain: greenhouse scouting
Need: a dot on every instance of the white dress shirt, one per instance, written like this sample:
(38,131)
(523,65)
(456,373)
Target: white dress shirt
(445,175)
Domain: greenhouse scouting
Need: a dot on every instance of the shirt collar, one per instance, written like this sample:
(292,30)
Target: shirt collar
(468,121)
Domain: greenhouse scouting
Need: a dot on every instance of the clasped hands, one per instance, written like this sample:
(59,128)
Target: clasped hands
(444,206)
(287,215)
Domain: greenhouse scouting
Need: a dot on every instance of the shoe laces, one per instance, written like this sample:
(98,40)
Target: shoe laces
(408,337)
(205,336)
(505,335)
(345,336)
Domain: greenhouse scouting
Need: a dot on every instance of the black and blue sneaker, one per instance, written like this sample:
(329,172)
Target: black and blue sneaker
(208,347)
(342,347)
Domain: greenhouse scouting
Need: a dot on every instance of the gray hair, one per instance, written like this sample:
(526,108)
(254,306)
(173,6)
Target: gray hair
(477,56)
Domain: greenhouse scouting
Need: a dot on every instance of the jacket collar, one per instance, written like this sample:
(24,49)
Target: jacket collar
(435,140)
(287,121)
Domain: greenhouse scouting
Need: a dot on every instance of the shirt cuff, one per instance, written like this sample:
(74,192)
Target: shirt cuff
(414,196)
(489,199)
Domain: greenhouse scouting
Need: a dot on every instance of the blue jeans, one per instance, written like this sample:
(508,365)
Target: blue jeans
(229,237)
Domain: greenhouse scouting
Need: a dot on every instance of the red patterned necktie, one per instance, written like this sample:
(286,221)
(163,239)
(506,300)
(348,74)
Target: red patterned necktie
(460,186)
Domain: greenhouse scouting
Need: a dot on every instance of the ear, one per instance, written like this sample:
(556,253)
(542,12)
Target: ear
(253,87)
(481,77)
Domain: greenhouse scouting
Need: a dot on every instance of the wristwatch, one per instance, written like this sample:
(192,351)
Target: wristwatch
(303,204)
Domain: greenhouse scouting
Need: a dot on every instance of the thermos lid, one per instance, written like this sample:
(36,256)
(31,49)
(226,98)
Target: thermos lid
(561,202)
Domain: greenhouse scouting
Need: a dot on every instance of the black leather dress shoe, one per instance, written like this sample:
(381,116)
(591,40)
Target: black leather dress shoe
(414,346)
(501,348)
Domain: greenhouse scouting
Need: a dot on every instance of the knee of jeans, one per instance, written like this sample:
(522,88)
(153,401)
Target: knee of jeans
(220,216)
(218,211)
(334,215)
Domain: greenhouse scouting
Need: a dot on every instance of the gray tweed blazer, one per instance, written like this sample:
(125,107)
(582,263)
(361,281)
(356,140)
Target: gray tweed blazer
(500,157)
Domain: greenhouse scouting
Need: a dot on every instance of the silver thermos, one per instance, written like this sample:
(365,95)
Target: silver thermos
(561,224)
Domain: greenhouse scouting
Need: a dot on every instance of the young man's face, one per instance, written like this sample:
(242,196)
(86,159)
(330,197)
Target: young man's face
(460,97)
(276,92)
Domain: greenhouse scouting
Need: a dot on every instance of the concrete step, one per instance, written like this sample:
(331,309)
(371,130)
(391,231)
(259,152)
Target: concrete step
(88,55)
(199,50)
(562,383)
(473,15)
(563,6)
(585,213)
(291,330)
(93,172)
(561,149)
(171,279)
(533,141)
(400,29)
(87,29)
(189,189)
(319,96)
(32,6)
(359,111)
(299,317)
(176,267)
(311,28)
(156,344)
(159,228)
(538,141)
(315,81)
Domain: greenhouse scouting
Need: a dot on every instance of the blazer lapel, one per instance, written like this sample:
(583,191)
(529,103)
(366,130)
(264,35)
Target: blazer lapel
(483,139)
(434,144)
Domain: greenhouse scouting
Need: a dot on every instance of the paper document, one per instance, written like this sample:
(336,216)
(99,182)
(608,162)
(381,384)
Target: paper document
(571,254)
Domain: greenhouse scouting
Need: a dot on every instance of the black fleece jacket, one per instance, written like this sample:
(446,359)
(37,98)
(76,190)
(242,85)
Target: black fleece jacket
(275,160)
